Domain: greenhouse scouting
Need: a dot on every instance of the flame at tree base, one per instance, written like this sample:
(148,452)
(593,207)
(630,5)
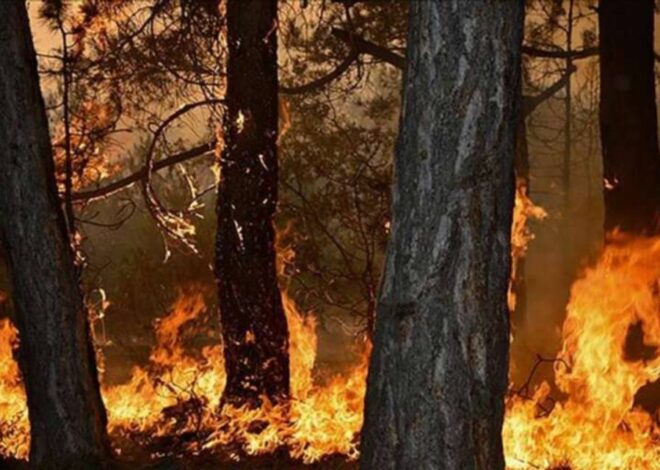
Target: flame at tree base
(176,395)
(172,404)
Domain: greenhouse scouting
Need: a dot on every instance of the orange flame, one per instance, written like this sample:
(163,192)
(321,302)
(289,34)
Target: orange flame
(596,426)
(14,427)
(523,210)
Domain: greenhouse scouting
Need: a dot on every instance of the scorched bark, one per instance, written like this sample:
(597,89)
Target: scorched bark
(254,325)
(438,373)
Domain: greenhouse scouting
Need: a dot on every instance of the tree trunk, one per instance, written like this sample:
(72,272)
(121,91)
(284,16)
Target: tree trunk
(56,356)
(568,123)
(438,374)
(628,122)
(629,136)
(254,325)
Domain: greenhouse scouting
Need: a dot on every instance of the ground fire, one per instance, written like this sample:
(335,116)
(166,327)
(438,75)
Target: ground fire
(593,425)
(329,234)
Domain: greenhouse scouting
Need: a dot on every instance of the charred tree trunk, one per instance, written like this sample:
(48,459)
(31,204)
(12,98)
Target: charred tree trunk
(628,122)
(253,321)
(56,356)
(438,373)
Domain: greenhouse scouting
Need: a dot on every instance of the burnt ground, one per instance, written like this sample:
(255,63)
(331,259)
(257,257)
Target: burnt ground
(214,462)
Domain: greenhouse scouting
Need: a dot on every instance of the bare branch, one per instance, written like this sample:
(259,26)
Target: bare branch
(363,46)
(123,183)
(326,79)
(559,53)
(530,103)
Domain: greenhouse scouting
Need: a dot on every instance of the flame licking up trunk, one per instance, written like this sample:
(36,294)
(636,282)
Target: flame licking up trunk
(594,426)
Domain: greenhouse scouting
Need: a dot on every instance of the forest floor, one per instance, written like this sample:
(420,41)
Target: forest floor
(214,462)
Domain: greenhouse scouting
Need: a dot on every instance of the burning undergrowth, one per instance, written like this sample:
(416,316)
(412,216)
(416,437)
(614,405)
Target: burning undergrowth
(597,425)
(170,406)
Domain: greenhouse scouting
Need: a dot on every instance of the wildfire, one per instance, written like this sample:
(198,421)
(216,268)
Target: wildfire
(175,397)
(596,426)
(15,427)
(523,210)
(178,393)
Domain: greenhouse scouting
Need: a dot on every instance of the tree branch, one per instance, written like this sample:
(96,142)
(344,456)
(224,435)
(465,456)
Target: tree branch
(142,173)
(323,81)
(363,46)
(530,103)
(560,54)
(359,46)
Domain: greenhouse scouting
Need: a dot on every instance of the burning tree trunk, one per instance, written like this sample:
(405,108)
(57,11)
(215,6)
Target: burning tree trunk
(628,122)
(438,372)
(56,356)
(254,326)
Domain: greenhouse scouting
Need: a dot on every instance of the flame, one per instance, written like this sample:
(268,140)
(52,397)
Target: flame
(320,420)
(178,393)
(523,210)
(596,426)
(14,427)
(171,404)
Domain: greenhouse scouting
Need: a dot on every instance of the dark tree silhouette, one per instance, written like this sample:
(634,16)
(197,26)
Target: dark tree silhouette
(438,373)
(629,136)
(253,321)
(628,121)
(56,356)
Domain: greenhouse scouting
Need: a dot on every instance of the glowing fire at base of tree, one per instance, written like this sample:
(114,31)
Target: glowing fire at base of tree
(176,395)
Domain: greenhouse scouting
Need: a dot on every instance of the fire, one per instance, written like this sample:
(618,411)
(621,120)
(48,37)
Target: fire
(596,426)
(523,210)
(171,404)
(177,394)
(14,427)
(320,420)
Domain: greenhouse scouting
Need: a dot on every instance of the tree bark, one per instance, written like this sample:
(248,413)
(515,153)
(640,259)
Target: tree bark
(56,356)
(254,325)
(628,122)
(438,373)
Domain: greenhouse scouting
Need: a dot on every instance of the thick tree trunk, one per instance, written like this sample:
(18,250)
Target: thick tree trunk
(67,418)
(629,136)
(628,122)
(253,321)
(438,374)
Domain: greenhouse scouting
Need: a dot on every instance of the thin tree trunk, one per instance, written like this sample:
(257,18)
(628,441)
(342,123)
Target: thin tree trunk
(568,118)
(438,374)
(56,356)
(254,325)
(628,122)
